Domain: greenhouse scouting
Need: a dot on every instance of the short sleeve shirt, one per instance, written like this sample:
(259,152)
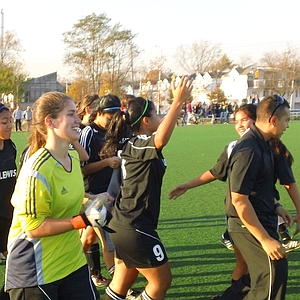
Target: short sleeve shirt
(143,168)
(251,172)
(92,139)
(219,170)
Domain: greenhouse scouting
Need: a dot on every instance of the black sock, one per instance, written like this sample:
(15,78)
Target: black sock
(226,235)
(111,295)
(93,259)
(284,233)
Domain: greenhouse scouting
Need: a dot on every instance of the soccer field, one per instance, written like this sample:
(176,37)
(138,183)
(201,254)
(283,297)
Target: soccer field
(190,226)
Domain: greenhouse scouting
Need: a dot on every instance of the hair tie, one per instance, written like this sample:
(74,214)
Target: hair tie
(142,114)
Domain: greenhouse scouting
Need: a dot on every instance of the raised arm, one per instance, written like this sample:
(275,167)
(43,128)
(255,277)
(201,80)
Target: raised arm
(181,93)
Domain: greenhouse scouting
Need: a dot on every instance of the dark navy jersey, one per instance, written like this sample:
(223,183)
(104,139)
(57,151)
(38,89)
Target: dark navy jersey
(92,139)
(143,168)
(8,175)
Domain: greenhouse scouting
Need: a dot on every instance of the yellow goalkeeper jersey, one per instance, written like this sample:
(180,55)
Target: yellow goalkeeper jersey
(44,189)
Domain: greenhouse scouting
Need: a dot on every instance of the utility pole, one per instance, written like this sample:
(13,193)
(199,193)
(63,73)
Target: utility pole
(2,35)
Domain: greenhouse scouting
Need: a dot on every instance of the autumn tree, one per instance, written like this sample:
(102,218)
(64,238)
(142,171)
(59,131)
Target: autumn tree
(198,57)
(282,73)
(78,89)
(217,95)
(221,64)
(11,73)
(96,48)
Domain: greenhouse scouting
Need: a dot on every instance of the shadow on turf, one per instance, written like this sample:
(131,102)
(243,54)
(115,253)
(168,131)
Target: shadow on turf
(201,247)
(204,219)
(192,222)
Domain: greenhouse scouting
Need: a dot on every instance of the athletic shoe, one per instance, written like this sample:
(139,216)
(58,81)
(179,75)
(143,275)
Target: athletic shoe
(2,257)
(100,281)
(227,243)
(291,245)
(133,294)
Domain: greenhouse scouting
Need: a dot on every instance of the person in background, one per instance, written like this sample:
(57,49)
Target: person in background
(27,116)
(86,108)
(97,173)
(8,175)
(18,115)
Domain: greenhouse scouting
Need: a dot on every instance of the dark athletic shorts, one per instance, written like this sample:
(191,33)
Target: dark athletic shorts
(139,248)
(76,286)
(4,230)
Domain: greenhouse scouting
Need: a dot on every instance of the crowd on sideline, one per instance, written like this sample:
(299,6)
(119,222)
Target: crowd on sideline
(22,118)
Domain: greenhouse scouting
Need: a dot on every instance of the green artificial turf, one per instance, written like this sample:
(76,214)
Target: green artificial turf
(191,225)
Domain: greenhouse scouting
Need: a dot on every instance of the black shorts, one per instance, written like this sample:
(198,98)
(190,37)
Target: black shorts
(4,230)
(139,248)
(76,286)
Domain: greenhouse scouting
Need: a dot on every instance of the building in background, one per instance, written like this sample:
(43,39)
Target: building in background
(35,87)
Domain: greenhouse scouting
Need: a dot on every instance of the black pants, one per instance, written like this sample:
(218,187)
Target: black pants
(268,277)
(76,286)
(18,125)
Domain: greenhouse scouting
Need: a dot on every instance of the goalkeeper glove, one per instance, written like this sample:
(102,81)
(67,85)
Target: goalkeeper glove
(95,214)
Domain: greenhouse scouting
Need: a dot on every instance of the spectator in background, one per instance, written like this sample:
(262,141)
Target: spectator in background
(18,115)
(8,173)
(27,116)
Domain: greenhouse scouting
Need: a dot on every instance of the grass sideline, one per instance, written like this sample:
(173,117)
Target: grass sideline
(190,226)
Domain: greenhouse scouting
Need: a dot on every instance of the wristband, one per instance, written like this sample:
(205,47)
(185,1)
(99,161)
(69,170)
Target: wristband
(80,221)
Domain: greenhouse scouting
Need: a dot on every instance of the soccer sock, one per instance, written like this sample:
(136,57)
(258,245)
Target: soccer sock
(145,296)
(93,259)
(111,270)
(226,235)
(284,233)
(111,295)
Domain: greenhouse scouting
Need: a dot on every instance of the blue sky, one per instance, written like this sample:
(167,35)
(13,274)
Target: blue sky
(242,28)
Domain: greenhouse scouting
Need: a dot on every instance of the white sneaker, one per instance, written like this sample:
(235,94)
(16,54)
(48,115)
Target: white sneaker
(227,243)
(291,245)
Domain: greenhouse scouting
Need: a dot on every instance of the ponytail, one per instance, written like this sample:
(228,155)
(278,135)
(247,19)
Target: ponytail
(124,123)
(118,130)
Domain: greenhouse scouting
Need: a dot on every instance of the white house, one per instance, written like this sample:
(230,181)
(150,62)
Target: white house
(234,85)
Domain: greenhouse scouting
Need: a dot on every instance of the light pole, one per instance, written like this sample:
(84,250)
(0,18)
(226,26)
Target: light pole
(2,35)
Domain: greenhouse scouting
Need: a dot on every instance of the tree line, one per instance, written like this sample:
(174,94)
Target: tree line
(104,58)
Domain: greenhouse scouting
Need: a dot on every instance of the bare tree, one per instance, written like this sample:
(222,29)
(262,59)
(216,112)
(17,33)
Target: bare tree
(283,72)
(10,49)
(99,51)
(198,57)
(121,54)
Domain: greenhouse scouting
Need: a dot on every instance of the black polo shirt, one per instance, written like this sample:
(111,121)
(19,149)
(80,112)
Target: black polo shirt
(251,172)
(219,170)
(143,168)
(92,139)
